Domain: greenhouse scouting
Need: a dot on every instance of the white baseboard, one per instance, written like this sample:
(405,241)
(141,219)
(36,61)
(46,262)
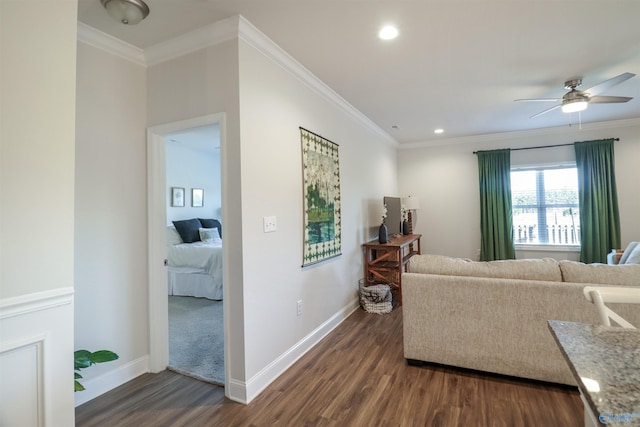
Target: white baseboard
(97,386)
(245,392)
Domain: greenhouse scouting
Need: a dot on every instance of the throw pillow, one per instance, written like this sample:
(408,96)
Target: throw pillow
(627,253)
(210,235)
(211,223)
(173,238)
(189,230)
(634,256)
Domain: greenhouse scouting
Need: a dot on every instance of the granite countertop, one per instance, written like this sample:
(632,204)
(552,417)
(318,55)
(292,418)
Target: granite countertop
(606,364)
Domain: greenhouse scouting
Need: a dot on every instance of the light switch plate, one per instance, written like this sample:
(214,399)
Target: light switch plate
(270,224)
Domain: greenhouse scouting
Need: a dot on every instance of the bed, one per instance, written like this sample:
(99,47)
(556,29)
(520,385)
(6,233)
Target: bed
(194,267)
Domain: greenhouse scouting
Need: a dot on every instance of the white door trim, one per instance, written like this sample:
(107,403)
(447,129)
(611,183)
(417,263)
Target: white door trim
(157,222)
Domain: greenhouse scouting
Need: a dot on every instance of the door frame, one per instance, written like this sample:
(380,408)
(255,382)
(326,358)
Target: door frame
(156,235)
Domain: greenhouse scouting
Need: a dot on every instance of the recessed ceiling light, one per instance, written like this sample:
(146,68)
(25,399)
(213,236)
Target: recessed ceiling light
(395,127)
(438,131)
(388,32)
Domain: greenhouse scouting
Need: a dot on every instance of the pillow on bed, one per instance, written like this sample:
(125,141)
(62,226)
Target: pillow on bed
(211,223)
(210,235)
(173,238)
(188,229)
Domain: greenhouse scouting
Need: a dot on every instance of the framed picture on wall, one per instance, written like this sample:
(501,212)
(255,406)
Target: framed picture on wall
(197,197)
(177,196)
(321,196)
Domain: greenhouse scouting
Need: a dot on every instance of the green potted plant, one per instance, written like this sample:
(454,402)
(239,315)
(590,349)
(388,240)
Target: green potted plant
(84,358)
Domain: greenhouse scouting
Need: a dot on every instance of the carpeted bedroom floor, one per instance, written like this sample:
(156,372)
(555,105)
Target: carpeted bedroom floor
(196,338)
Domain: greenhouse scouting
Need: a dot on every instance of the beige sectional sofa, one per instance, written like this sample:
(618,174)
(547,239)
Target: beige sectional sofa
(492,316)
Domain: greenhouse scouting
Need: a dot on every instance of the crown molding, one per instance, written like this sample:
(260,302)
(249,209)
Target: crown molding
(108,43)
(492,137)
(235,27)
(251,35)
(200,38)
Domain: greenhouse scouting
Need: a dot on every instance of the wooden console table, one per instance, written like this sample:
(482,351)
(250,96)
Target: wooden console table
(385,262)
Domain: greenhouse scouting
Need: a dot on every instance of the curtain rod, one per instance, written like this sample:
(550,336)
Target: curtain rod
(542,146)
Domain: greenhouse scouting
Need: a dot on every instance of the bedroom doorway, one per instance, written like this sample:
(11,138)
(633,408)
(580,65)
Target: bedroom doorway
(196,337)
(161,142)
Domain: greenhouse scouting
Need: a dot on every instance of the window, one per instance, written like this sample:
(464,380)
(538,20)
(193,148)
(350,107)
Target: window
(545,206)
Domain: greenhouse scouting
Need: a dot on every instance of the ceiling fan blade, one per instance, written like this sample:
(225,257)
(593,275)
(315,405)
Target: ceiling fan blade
(601,87)
(545,111)
(539,99)
(608,99)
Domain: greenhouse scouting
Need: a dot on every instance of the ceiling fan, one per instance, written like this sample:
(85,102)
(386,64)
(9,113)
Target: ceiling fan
(577,100)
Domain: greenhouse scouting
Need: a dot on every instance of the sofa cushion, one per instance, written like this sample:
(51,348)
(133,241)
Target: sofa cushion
(532,269)
(577,272)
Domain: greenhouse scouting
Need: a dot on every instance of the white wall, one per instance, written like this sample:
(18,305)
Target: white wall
(37,114)
(273,105)
(262,176)
(193,168)
(111,309)
(176,91)
(445,178)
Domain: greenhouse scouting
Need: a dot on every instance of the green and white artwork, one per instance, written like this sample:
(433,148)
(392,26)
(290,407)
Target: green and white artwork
(321,186)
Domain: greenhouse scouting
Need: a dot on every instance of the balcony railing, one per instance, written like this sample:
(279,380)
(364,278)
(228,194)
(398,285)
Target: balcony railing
(557,234)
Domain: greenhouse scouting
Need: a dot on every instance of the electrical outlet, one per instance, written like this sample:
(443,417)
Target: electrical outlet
(299,307)
(270,224)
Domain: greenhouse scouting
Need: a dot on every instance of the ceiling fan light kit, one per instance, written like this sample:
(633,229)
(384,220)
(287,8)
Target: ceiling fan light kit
(577,100)
(129,12)
(574,106)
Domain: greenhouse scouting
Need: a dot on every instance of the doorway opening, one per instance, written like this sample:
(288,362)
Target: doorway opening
(202,198)
(196,326)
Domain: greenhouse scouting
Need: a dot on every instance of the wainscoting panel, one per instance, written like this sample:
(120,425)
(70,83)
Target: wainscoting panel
(36,348)
(21,382)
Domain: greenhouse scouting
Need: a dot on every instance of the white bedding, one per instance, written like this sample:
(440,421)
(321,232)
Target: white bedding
(197,257)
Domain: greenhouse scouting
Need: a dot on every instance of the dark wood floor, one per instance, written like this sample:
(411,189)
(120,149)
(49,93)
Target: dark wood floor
(356,376)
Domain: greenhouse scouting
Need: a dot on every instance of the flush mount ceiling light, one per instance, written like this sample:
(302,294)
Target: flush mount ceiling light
(388,32)
(438,131)
(129,12)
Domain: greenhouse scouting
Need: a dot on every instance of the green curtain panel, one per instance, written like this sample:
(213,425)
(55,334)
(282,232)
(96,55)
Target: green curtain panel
(598,198)
(496,221)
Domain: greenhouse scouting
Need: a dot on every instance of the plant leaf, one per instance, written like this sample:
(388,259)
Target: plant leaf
(76,375)
(81,353)
(80,362)
(77,386)
(81,359)
(102,356)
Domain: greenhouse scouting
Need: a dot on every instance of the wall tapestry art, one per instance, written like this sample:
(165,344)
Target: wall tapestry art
(321,186)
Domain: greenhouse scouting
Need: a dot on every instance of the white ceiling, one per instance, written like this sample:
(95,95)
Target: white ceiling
(457,64)
(204,138)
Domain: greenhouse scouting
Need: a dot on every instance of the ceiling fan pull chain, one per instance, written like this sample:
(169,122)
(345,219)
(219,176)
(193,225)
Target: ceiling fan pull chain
(579,120)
